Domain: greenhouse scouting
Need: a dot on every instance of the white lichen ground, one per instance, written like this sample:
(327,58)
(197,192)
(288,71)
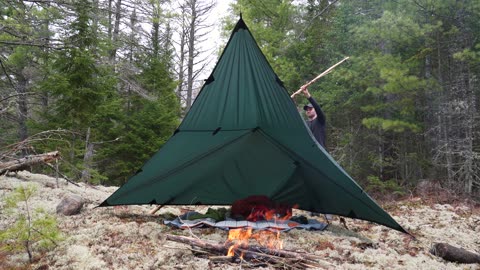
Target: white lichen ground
(131,238)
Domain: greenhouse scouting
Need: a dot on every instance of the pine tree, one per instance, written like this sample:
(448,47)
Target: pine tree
(82,90)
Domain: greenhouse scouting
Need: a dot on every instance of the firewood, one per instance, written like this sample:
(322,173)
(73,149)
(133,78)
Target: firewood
(221,258)
(454,254)
(286,253)
(217,248)
(28,161)
(273,256)
(284,258)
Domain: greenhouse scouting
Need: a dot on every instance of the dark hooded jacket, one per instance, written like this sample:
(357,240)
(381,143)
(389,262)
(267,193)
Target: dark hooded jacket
(317,125)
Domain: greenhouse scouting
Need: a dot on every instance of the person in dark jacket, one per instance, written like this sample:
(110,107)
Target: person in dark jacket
(316,118)
(316,122)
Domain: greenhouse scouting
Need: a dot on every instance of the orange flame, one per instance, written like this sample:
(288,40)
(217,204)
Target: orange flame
(241,237)
(264,213)
(270,239)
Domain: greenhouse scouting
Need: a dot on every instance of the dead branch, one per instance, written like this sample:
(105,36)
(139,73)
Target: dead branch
(217,248)
(63,175)
(16,95)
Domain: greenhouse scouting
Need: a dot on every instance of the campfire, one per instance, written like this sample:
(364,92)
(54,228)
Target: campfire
(258,208)
(256,246)
(239,238)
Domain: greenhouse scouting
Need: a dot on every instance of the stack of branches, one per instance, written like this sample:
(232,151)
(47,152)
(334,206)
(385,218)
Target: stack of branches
(255,255)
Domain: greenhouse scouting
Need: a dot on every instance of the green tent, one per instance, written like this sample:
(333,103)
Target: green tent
(244,136)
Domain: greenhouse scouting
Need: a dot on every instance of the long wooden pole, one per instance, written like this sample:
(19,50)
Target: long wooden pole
(319,76)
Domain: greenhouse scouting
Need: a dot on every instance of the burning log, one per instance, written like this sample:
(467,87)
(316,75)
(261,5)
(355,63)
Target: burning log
(281,258)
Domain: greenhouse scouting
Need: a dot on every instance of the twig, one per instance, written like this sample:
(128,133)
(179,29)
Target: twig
(63,175)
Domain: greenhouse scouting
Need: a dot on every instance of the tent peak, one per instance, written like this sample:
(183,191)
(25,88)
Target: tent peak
(240,24)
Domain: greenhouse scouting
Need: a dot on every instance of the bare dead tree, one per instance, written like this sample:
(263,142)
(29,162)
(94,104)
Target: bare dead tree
(183,32)
(457,129)
(193,31)
(116,30)
(88,156)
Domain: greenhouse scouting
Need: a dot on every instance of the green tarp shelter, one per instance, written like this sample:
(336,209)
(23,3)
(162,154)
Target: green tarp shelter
(244,136)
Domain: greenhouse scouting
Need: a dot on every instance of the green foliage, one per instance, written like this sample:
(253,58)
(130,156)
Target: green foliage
(143,127)
(143,132)
(33,229)
(87,94)
(271,23)
(389,187)
(469,55)
(390,125)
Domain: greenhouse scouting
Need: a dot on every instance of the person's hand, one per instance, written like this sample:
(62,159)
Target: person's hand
(305,91)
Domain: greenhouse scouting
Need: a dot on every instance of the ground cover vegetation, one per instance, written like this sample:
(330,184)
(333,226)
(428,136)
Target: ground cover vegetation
(130,237)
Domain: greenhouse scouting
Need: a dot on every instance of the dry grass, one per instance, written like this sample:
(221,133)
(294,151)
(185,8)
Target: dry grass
(130,238)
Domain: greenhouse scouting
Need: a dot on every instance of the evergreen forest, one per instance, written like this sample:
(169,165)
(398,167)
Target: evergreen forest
(107,82)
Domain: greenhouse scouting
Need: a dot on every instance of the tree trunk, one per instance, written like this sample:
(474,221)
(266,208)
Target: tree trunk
(109,30)
(22,108)
(181,63)
(191,50)
(87,159)
(116,30)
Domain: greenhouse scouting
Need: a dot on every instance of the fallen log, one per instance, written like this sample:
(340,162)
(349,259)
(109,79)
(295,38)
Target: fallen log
(280,258)
(25,162)
(454,254)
